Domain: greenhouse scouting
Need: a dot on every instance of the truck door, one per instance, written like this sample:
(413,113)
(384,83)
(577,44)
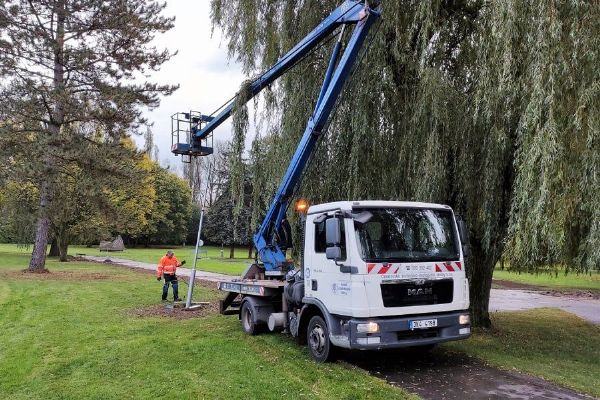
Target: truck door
(323,279)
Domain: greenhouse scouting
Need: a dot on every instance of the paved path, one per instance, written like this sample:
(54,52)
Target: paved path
(204,275)
(500,299)
(516,299)
(442,374)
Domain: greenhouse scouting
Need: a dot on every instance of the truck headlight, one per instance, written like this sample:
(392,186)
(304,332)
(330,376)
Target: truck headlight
(464,319)
(369,327)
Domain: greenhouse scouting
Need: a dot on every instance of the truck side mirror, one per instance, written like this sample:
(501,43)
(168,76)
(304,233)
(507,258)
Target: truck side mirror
(333,253)
(333,238)
(333,232)
(463,233)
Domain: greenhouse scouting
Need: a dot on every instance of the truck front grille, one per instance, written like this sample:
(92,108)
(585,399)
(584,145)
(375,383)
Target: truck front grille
(417,293)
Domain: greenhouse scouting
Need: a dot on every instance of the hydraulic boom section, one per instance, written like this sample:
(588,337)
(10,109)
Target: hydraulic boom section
(361,14)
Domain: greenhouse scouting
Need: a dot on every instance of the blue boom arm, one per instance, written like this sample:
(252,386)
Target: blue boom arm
(360,13)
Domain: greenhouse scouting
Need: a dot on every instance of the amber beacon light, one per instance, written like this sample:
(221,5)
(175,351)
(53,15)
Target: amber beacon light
(301,206)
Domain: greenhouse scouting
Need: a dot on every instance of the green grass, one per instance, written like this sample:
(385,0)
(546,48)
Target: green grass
(560,281)
(550,343)
(211,260)
(76,339)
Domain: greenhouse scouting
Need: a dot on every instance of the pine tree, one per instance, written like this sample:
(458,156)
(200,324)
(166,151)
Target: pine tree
(74,61)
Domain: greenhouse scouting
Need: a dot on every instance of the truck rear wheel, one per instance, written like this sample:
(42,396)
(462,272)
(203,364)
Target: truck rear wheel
(247,319)
(319,345)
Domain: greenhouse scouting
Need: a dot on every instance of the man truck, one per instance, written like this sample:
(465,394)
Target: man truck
(372,274)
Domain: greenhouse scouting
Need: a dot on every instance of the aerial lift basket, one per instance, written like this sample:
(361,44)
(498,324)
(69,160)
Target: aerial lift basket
(184,126)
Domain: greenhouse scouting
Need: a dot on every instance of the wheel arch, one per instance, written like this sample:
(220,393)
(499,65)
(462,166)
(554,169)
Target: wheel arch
(311,308)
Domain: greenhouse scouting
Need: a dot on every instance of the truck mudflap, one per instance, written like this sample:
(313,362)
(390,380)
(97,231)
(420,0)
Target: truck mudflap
(406,331)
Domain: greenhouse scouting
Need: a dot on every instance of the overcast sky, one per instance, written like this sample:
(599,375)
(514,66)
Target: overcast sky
(201,68)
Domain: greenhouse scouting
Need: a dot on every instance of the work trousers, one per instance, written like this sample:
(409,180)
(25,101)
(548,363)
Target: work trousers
(170,279)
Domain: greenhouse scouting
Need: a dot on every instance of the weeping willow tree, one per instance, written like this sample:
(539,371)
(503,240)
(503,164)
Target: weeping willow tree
(490,107)
(236,162)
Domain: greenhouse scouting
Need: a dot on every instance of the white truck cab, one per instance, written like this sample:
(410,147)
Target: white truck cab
(385,274)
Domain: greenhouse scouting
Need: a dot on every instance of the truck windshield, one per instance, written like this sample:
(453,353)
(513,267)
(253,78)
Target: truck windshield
(407,234)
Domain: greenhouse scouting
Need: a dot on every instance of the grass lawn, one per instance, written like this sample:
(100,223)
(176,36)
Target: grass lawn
(550,343)
(71,334)
(560,281)
(211,258)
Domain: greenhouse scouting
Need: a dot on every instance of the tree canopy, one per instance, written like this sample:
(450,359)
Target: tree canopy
(140,200)
(490,107)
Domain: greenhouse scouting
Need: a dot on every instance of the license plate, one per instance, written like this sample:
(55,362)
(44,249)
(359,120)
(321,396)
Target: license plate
(423,323)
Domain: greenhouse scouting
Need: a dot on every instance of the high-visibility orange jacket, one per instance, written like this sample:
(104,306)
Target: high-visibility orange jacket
(167,265)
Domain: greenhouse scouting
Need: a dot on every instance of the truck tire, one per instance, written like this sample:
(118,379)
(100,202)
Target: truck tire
(247,319)
(319,345)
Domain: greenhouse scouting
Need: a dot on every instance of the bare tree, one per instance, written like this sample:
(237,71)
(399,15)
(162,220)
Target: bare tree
(207,176)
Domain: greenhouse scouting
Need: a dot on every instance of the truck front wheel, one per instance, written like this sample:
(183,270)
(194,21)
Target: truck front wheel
(319,346)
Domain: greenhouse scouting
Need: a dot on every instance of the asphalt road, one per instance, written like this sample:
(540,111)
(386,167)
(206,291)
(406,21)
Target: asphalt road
(204,275)
(516,299)
(441,374)
(500,299)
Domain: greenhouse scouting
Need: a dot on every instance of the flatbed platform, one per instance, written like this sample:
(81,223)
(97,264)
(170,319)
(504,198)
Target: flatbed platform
(254,287)
(267,283)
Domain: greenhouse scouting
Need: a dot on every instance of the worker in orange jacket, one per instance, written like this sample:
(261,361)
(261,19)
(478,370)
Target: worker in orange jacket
(167,267)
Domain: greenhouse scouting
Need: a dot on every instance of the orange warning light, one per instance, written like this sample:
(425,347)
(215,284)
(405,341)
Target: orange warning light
(301,206)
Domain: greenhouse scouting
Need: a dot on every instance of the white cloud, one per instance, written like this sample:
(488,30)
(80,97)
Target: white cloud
(205,75)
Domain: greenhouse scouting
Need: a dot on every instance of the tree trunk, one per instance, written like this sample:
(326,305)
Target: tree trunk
(40,246)
(250,248)
(232,251)
(63,246)
(54,251)
(480,270)
(38,255)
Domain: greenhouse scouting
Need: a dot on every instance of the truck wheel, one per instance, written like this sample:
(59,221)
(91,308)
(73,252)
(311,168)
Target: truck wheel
(247,319)
(317,335)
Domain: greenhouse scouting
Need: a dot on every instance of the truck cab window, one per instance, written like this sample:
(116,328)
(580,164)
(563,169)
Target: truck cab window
(321,243)
(401,235)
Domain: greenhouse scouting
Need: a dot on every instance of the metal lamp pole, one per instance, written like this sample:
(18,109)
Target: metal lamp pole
(188,302)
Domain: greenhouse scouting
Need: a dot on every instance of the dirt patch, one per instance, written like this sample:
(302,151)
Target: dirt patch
(580,293)
(60,275)
(585,294)
(167,311)
(442,374)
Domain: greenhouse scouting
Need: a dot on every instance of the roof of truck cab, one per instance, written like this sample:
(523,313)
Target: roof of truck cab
(349,205)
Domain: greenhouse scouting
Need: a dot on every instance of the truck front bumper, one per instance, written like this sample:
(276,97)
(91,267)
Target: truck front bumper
(397,332)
